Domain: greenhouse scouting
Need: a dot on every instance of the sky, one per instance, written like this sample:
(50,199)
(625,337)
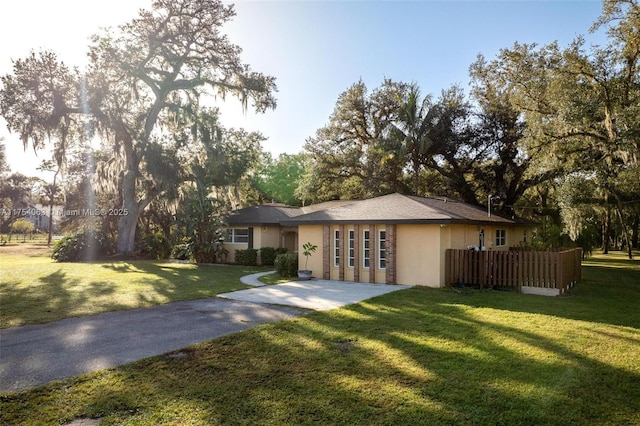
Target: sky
(315,49)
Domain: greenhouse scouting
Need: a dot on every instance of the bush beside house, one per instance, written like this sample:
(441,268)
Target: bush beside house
(268,255)
(286,265)
(248,257)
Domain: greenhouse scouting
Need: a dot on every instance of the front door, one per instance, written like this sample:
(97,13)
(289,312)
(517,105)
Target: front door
(291,241)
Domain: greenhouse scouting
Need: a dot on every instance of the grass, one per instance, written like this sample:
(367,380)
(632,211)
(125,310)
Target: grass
(417,356)
(35,289)
(275,278)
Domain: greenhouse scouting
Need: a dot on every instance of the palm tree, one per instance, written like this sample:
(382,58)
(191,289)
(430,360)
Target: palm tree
(415,121)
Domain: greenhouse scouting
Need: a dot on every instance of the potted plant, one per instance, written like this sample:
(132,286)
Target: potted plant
(307,250)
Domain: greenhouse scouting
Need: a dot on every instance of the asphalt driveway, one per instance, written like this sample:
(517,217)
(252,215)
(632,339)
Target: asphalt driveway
(36,354)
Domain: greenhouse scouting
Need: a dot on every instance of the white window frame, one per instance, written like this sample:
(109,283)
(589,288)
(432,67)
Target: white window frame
(351,248)
(501,237)
(366,249)
(336,248)
(382,249)
(233,237)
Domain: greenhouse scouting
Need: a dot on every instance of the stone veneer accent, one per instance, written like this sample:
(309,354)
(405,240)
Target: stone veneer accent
(342,256)
(326,252)
(356,253)
(391,254)
(373,255)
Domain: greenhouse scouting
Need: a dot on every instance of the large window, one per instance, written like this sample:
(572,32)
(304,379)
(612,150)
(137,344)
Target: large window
(237,236)
(501,237)
(366,251)
(352,248)
(336,248)
(382,249)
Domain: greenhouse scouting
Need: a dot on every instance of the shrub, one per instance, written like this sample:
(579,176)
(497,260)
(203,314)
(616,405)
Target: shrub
(268,255)
(84,245)
(286,265)
(248,257)
(154,246)
(182,251)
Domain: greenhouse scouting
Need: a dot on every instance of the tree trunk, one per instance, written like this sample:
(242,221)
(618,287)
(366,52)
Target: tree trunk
(634,231)
(625,232)
(51,200)
(416,176)
(129,218)
(606,230)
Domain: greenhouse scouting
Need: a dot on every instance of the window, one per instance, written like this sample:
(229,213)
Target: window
(336,248)
(366,252)
(352,248)
(382,249)
(524,237)
(237,236)
(501,237)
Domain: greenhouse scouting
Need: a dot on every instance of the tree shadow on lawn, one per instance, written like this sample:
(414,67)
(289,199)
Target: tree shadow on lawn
(487,371)
(375,363)
(57,295)
(417,356)
(601,297)
(190,280)
(52,297)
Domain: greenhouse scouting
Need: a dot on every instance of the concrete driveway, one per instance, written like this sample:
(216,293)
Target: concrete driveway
(319,295)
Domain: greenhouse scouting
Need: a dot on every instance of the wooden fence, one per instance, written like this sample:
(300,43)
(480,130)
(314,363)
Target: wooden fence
(539,272)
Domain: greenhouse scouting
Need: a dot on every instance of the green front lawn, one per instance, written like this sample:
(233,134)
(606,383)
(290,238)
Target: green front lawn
(417,356)
(35,289)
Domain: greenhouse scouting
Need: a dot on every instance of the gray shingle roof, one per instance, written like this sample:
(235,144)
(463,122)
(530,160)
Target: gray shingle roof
(398,208)
(265,214)
(392,208)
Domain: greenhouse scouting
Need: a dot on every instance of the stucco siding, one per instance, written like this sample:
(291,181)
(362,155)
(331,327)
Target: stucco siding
(418,255)
(231,248)
(312,234)
(265,236)
(269,236)
(462,236)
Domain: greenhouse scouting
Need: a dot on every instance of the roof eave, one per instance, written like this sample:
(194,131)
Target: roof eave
(398,222)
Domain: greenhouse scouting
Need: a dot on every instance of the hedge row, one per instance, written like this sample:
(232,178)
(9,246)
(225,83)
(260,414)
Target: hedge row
(249,257)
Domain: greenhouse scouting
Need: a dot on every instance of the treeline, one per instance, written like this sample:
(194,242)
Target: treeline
(164,160)
(548,133)
(196,185)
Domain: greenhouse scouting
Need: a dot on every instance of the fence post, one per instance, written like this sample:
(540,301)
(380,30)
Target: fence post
(447,267)
(519,257)
(482,258)
(559,284)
